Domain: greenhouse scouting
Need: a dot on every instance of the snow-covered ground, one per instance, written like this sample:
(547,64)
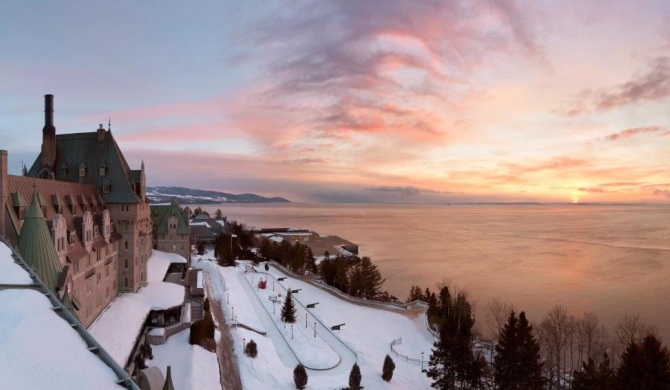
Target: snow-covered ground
(367,331)
(118,326)
(193,367)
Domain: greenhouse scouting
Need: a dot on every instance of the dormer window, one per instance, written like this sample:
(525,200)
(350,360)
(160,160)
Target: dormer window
(102,169)
(82,170)
(72,235)
(62,171)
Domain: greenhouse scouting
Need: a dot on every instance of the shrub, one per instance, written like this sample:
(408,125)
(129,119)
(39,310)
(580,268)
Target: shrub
(146,351)
(267,266)
(355,378)
(139,362)
(387,370)
(300,376)
(251,349)
(202,330)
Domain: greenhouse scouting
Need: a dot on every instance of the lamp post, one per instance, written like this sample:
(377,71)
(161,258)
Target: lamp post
(305,320)
(228,297)
(421,361)
(233,316)
(291,332)
(273,284)
(314,329)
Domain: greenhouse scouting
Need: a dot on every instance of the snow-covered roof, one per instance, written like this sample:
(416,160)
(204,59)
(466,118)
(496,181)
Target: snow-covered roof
(10,272)
(276,239)
(201,224)
(118,326)
(33,358)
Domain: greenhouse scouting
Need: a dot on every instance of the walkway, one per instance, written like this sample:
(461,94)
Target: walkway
(230,373)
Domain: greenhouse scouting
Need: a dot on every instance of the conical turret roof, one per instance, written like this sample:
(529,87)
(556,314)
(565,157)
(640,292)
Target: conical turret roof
(168,380)
(37,247)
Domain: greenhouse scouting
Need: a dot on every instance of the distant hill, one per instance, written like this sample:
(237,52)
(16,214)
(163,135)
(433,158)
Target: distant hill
(193,196)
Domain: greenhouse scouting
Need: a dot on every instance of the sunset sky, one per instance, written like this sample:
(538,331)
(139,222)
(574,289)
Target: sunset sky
(355,101)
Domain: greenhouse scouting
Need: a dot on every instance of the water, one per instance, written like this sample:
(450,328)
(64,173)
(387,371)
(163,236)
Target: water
(610,260)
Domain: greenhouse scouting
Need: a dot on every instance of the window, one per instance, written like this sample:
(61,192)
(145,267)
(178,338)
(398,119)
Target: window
(125,244)
(82,172)
(125,263)
(88,285)
(102,171)
(142,276)
(106,188)
(106,271)
(125,282)
(72,238)
(76,266)
(98,282)
(95,231)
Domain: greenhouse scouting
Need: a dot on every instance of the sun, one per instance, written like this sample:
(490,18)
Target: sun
(575,198)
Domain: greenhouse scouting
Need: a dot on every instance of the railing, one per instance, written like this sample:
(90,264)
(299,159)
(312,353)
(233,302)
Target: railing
(407,358)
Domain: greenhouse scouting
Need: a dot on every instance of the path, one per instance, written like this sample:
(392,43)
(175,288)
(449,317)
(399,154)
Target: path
(230,373)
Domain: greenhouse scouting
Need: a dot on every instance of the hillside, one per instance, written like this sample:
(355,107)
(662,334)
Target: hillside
(194,196)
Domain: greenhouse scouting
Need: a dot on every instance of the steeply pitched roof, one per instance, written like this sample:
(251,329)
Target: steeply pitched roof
(160,215)
(57,194)
(37,247)
(84,150)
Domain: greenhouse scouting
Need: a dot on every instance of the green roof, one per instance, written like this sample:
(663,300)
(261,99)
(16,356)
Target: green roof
(83,150)
(37,247)
(160,214)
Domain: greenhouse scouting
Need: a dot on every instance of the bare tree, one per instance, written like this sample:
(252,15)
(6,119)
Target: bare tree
(554,332)
(632,329)
(590,338)
(496,314)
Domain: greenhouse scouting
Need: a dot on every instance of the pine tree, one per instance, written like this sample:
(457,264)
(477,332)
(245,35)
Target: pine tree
(372,278)
(414,294)
(517,363)
(452,362)
(288,310)
(592,377)
(644,365)
(387,370)
(300,376)
(355,378)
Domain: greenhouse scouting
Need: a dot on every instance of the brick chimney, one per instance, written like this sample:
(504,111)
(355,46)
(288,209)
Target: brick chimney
(49,133)
(4,191)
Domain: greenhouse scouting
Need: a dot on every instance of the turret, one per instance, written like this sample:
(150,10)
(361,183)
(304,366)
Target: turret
(49,133)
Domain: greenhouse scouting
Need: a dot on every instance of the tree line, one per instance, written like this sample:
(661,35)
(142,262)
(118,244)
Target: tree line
(560,352)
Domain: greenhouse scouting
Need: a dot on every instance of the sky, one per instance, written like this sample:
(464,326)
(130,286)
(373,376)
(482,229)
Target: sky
(355,101)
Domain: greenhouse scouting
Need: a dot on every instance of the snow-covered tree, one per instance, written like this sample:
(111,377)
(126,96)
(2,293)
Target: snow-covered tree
(288,311)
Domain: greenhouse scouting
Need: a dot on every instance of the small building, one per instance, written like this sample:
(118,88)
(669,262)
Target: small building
(205,230)
(171,229)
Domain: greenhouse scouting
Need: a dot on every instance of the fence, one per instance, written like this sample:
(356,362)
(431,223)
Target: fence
(407,358)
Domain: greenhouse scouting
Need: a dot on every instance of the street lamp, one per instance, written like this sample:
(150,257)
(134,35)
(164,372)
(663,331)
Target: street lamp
(291,332)
(421,361)
(227,297)
(314,329)
(233,316)
(305,320)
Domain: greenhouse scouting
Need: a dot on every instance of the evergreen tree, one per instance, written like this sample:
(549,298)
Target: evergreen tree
(355,378)
(288,310)
(387,370)
(300,376)
(452,364)
(415,294)
(517,363)
(433,309)
(218,214)
(372,278)
(644,365)
(251,349)
(592,377)
(444,302)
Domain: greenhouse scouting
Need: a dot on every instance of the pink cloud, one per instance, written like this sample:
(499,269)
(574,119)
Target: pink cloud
(635,131)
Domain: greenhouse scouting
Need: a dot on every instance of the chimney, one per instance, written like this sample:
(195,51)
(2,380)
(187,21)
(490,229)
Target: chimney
(4,191)
(101,133)
(49,133)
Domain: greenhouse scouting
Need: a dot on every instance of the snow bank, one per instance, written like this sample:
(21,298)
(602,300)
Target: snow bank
(116,329)
(39,350)
(10,272)
(193,367)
